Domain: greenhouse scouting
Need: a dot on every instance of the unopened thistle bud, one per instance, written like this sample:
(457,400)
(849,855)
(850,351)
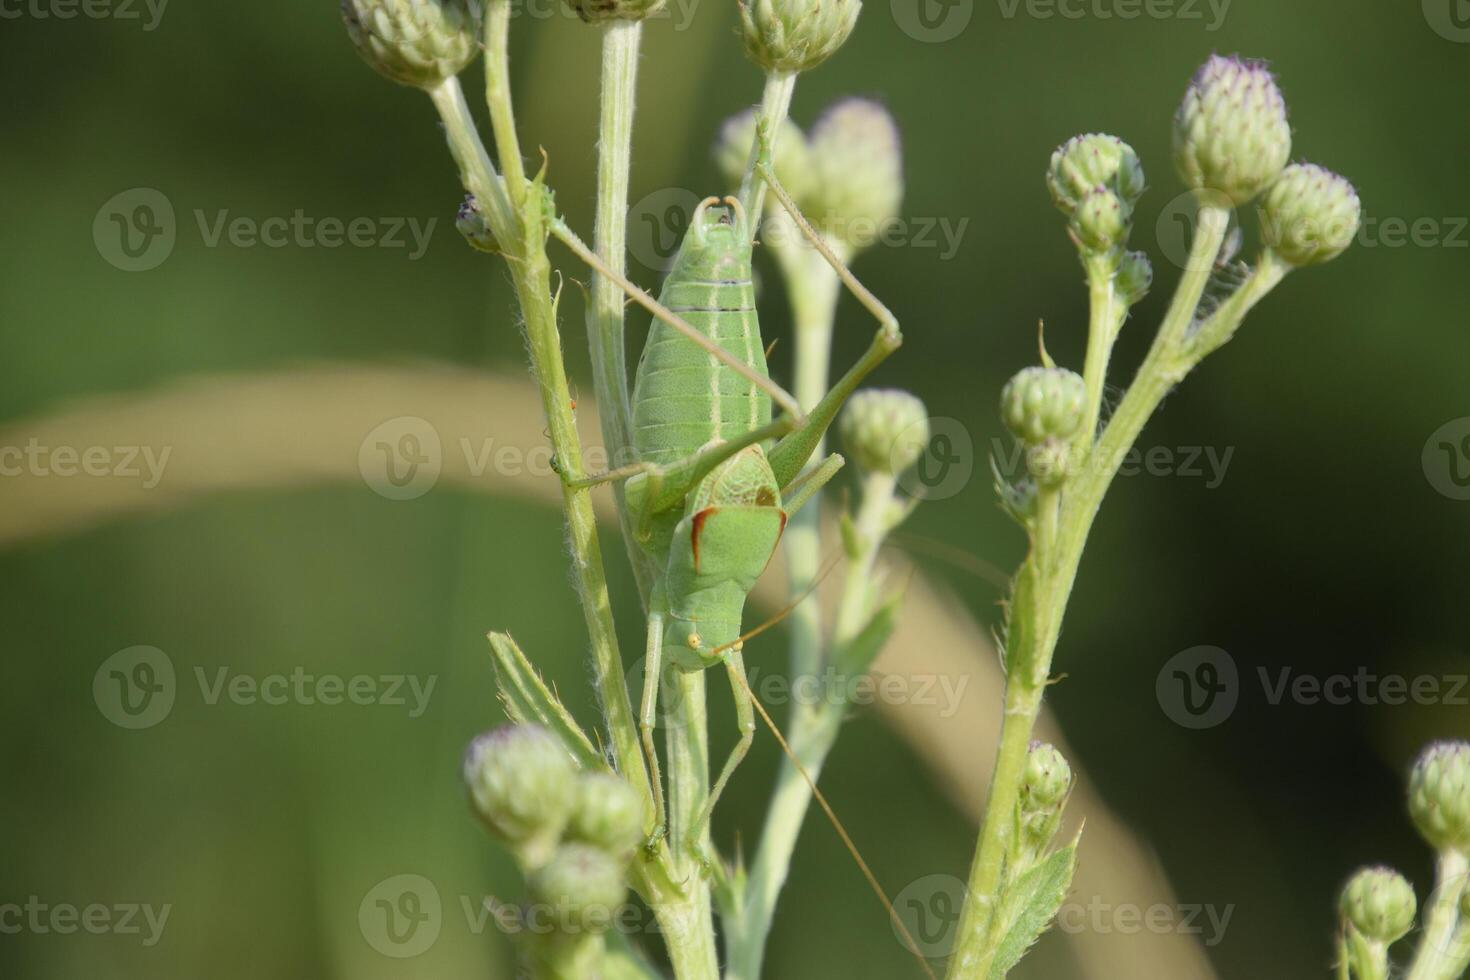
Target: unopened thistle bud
(1135,277)
(856,181)
(1439,796)
(885,430)
(788,150)
(605,10)
(582,886)
(607,813)
(1230,133)
(1047,779)
(472,225)
(1044,403)
(1102,221)
(522,783)
(1094,162)
(795,35)
(1379,903)
(415,42)
(1310,215)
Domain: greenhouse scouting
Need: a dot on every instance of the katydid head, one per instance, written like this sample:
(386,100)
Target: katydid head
(716,247)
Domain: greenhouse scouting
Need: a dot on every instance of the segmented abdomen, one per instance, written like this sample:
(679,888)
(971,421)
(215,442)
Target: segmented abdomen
(684,398)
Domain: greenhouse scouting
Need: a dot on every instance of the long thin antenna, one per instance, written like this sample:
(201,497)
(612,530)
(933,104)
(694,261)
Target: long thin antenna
(847,842)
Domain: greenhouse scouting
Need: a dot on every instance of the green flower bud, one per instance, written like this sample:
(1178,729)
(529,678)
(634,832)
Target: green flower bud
(884,430)
(607,813)
(522,783)
(1231,133)
(472,225)
(856,181)
(1102,221)
(732,154)
(1379,903)
(1046,781)
(1135,277)
(1094,162)
(415,42)
(1439,795)
(795,35)
(582,885)
(605,10)
(1043,403)
(1049,462)
(1310,215)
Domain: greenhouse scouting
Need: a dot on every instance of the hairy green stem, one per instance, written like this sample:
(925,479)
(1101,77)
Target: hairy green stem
(692,947)
(1108,312)
(620,46)
(775,106)
(1438,958)
(1044,586)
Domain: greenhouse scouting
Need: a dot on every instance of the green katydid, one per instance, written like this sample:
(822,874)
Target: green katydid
(710,501)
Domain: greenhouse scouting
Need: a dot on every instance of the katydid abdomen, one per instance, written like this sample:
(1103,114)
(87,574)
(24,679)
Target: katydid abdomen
(684,398)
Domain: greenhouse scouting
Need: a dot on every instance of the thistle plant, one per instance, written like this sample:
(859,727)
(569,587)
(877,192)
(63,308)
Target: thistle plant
(717,465)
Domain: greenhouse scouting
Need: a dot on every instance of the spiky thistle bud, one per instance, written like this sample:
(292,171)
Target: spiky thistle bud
(522,783)
(856,160)
(607,813)
(795,35)
(1042,403)
(1135,277)
(415,42)
(1096,161)
(1231,135)
(1310,215)
(582,886)
(604,10)
(1045,784)
(789,152)
(1101,221)
(472,225)
(885,430)
(1439,795)
(1379,903)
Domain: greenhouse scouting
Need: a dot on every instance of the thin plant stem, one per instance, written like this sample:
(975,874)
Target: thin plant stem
(775,106)
(692,950)
(1106,318)
(497,96)
(1436,958)
(605,328)
(1044,586)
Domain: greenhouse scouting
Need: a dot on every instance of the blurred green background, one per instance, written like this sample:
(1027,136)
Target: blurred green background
(1327,547)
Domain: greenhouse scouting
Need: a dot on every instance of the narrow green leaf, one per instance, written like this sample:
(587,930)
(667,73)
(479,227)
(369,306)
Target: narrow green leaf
(854,657)
(1028,906)
(528,700)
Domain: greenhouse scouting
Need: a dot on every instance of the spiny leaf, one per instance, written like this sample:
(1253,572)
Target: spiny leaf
(1029,905)
(528,700)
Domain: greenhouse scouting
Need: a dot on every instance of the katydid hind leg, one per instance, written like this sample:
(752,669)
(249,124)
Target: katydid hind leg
(648,718)
(745,720)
